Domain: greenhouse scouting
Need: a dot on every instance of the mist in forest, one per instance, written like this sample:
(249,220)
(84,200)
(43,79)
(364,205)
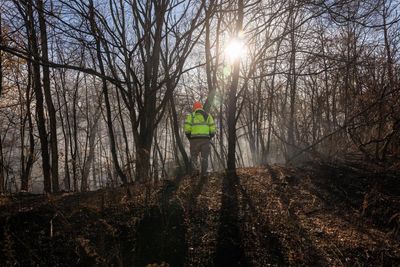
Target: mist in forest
(94,94)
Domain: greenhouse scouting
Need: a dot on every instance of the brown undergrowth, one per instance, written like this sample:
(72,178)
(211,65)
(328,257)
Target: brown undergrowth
(315,215)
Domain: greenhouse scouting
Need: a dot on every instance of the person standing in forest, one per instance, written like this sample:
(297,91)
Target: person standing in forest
(199,129)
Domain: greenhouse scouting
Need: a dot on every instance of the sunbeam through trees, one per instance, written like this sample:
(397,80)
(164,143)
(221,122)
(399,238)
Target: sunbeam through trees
(97,100)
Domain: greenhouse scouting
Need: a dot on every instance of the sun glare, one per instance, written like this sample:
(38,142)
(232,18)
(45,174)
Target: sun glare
(235,49)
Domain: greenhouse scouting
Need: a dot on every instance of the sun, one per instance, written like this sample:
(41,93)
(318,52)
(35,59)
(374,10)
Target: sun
(235,49)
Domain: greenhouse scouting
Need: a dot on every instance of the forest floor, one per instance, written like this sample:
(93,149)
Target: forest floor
(314,215)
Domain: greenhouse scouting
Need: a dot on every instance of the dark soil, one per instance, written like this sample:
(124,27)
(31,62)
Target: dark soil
(316,215)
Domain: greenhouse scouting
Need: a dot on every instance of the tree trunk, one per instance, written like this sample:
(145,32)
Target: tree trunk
(178,139)
(27,167)
(232,100)
(66,131)
(113,148)
(266,156)
(151,72)
(125,137)
(143,157)
(210,83)
(211,71)
(389,59)
(49,101)
(293,82)
(92,132)
(41,122)
(74,139)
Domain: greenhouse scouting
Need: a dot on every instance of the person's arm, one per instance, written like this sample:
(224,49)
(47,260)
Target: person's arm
(188,125)
(212,126)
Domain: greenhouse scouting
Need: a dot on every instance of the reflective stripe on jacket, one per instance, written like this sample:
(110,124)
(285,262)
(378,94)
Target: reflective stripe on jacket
(199,127)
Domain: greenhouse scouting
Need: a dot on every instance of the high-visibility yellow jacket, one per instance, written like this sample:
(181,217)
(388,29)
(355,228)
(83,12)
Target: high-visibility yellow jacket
(199,124)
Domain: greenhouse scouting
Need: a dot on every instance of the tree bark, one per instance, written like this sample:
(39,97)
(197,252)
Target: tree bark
(26,167)
(232,100)
(41,121)
(211,71)
(151,70)
(113,148)
(49,101)
(293,83)
(178,139)
(92,132)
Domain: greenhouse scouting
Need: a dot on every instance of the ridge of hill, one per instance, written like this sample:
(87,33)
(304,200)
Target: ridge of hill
(315,215)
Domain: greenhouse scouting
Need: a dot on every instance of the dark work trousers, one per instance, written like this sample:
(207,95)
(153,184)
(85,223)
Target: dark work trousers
(199,146)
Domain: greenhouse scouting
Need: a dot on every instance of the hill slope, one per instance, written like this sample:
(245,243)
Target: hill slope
(312,216)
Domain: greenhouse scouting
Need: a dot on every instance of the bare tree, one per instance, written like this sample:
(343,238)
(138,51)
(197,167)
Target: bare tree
(47,94)
(28,12)
(232,98)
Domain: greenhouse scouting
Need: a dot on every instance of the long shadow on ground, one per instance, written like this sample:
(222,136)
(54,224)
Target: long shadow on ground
(314,256)
(161,233)
(229,244)
(269,241)
(196,191)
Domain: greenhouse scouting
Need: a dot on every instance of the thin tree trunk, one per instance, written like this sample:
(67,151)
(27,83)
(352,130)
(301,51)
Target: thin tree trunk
(94,29)
(125,136)
(49,101)
(92,132)
(67,177)
(178,139)
(27,167)
(293,83)
(389,59)
(65,131)
(41,122)
(271,101)
(74,142)
(30,159)
(89,158)
(232,100)
(389,62)
(211,70)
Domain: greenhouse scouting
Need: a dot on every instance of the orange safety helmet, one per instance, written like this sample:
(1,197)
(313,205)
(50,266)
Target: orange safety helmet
(197,105)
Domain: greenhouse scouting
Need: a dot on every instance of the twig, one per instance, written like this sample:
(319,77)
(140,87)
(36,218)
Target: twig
(344,126)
